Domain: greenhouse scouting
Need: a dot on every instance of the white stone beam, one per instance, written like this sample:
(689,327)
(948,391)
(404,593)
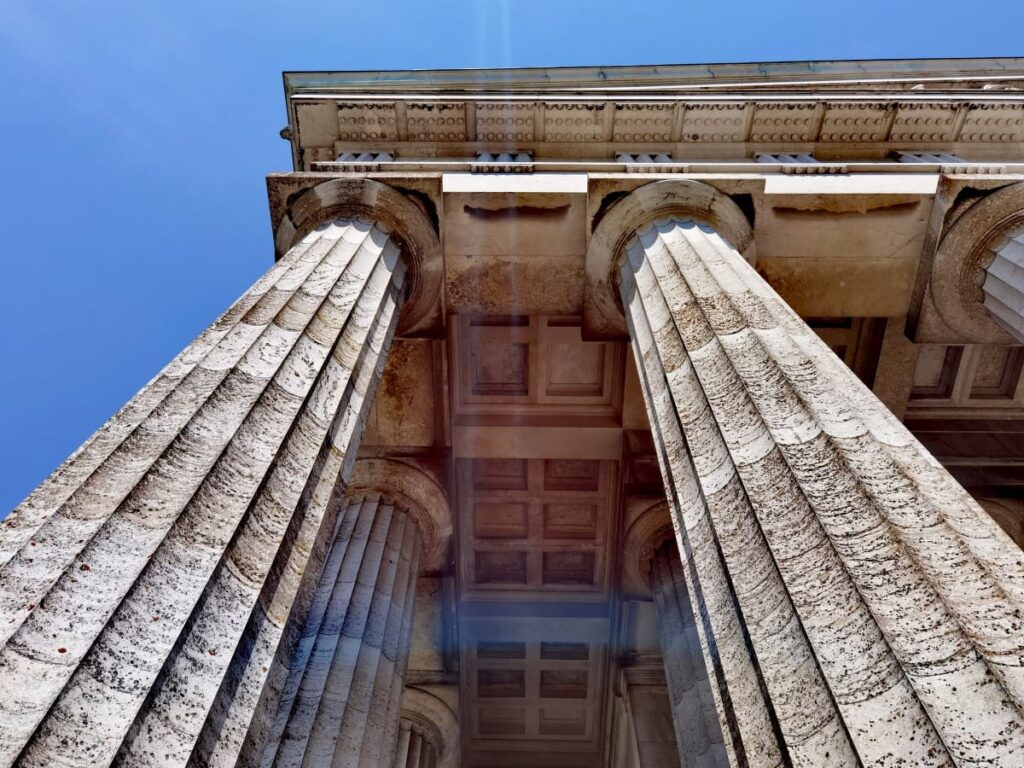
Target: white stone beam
(130,575)
(884,607)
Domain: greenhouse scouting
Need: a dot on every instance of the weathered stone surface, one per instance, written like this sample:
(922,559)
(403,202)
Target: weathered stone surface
(1003,287)
(891,600)
(415,749)
(695,719)
(341,701)
(430,730)
(201,585)
(131,575)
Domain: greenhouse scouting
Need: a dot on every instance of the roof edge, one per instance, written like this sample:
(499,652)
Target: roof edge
(678,76)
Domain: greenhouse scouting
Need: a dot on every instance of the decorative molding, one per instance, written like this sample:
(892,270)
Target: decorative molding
(857,123)
(787,123)
(715,123)
(436,121)
(363,122)
(505,122)
(585,127)
(924,123)
(799,163)
(643,123)
(995,123)
(871,107)
(574,122)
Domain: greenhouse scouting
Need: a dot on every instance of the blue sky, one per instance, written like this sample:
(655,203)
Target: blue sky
(134,138)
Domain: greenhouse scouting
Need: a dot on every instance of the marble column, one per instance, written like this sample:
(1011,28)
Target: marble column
(1003,286)
(415,749)
(855,605)
(699,739)
(341,705)
(139,581)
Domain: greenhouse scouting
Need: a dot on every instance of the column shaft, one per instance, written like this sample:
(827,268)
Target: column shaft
(415,749)
(643,724)
(339,705)
(699,739)
(883,606)
(144,555)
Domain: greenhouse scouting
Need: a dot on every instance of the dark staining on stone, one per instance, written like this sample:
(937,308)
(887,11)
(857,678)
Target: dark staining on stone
(516,212)
(85,567)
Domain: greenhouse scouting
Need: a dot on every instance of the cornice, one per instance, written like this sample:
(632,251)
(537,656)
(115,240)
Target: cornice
(886,73)
(853,110)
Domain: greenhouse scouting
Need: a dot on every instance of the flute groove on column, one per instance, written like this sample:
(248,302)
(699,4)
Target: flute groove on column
(340,706)
(903,597)
(131,574)
(694,716)
(415,749)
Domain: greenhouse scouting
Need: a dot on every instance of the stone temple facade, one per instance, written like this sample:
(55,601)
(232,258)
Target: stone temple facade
(630,417)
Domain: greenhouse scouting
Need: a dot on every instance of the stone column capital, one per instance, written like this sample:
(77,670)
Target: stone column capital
(647,531)
(966,250)
(434,720)
(603,316)
(394,213)
(418,492)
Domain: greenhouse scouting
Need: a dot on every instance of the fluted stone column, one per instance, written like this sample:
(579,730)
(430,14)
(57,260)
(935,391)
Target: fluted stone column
(429,735)
(148,579)
(1003,286)
(699,739)
(341,704)
(856,605)
(415,749)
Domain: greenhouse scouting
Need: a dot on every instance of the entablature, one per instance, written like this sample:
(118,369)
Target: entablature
(857,111)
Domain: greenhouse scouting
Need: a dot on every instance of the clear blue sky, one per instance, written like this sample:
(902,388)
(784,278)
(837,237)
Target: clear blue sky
(135,136)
